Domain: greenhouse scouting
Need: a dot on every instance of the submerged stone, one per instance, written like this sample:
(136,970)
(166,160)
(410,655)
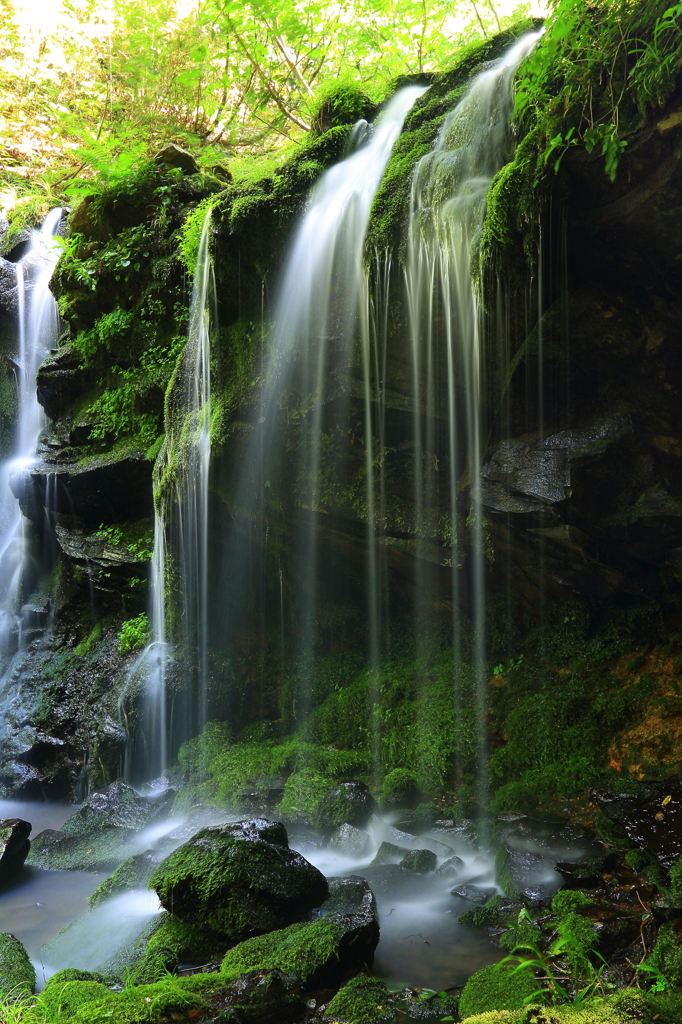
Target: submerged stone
(650,817)
(14,846)
(421,861)
(17,975)
(389,853)
(450,868)
(118,806)
(468,892)
(133,873)
(239,879)
(351,841)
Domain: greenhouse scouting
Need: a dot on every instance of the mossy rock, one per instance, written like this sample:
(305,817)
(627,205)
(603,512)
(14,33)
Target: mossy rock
(301,949)
(498,987)
(239,880)
(421,861)
(322,951)
(173,942)
(102,851)
(63,999)
(133,873)
(362,1000)
(17,975)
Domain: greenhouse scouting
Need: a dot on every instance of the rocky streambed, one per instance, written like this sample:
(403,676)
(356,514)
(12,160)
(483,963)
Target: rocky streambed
(201,915)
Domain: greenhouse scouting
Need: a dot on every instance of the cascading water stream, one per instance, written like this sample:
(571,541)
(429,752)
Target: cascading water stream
(448,202)
(38,330)
(189,443)
(321,313)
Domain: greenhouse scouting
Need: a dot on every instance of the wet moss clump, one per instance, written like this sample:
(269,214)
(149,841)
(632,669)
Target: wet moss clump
(301,949)
(133,873)
(498,987)
(361,1001)
(63,998)
(17,974)
(173,942)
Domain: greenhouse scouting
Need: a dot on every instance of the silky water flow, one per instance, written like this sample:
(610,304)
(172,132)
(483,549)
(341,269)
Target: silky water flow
(38,331)
(329,326)
(447,209)
(169,720)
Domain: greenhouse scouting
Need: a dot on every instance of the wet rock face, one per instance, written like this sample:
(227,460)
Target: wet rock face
(239,879)
(258,997)
(350,841)
(651,817)
(14,846)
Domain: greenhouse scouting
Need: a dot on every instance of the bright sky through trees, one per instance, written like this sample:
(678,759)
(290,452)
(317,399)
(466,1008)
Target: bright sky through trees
(91,86)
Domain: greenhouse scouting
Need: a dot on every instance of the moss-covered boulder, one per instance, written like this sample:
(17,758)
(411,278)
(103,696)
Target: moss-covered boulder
(133,873)
(349,802)
(63,999)
(420,861)
(95,837)
(239,880)
(322,951)
(17,976)
(498,987)
(362,1001)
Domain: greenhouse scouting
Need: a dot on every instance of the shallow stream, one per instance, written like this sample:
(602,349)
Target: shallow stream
(422,943)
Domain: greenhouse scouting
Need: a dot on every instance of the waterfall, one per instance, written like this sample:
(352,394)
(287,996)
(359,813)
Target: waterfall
(38,330)
(319,318)
(447,210)
(185,457)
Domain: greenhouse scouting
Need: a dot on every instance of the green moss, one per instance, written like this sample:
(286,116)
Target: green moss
(17,975)
(133,873)
(303,795)
(676,878)
(666,956)
(174,942)
(386,229)
(64,998)
(361,1001)
(568,900)
(503,874)
(300,949)
(400,787)
(498,987)
(86,646)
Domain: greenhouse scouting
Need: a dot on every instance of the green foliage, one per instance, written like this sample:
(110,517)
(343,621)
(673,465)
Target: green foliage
(134,634)
(190,235)
(106,333)
(676,878)
(666,957)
